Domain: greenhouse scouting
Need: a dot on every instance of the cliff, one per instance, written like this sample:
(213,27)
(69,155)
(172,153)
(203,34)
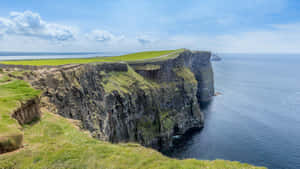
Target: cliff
(147,102)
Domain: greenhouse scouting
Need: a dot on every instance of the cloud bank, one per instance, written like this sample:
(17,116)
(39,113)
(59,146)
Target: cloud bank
(31,24)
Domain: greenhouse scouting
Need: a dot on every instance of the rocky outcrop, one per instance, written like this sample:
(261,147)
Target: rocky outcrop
(28,111)
(148,102)
(10,142)
(198,62)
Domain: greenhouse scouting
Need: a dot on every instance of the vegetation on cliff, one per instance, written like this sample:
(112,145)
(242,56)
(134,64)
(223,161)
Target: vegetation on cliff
(125,81)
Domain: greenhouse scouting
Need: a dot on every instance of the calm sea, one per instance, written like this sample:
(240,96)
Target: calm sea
(256,120)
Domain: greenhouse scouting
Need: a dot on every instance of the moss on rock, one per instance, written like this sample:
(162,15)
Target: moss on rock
(124,82)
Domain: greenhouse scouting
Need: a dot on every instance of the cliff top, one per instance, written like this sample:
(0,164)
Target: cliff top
(133,57)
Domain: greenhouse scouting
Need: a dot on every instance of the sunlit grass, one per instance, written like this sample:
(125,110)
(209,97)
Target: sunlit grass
(12,92)
(54,142)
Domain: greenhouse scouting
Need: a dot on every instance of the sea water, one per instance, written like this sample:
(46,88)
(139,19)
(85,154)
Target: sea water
(256,119)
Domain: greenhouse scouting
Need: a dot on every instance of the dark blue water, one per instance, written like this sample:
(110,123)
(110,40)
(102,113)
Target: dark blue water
(256,120)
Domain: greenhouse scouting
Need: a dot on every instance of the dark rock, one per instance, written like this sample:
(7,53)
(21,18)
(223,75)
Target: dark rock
(215,57)
(28,111)
(118,102)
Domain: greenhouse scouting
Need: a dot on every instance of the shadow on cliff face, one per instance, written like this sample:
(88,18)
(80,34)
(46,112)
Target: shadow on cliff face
(181,141)
(205,105)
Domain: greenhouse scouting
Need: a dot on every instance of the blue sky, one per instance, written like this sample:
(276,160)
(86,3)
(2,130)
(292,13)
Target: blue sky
(258,26)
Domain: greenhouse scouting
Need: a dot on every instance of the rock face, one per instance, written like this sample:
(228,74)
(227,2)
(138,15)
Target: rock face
(149,103)
(11,142)
(28,111)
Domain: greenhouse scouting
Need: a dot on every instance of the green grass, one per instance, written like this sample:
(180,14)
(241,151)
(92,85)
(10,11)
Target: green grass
(54,142)
(147,67)
(4,78)
(19,73)
(12,92)
(186,74)
(134,57)
(124,82)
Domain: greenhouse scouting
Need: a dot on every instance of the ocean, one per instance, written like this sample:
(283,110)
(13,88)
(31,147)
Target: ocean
(256,119)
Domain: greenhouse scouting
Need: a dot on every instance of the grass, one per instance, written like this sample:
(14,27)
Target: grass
(134,57)
(147,67)
(4,78)
(124,82)
(186,74)
(54,142)
(18,73)
(12,92)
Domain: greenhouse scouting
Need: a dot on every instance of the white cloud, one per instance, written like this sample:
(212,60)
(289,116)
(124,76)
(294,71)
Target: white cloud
(279,39)
(103,36)
(31,24)
(145,39)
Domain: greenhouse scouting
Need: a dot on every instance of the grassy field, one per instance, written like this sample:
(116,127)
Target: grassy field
(12,91)
(55,142)
(140,56)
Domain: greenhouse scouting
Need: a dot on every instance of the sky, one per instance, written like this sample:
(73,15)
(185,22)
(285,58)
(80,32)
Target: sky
(235,26)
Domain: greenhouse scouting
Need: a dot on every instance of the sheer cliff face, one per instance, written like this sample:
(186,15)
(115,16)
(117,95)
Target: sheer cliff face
(147,103)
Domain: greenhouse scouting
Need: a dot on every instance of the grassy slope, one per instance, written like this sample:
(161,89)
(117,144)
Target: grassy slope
(127,58)
(12,91)
(54,142)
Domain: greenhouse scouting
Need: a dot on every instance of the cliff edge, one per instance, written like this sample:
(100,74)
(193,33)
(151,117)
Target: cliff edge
(148,102)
